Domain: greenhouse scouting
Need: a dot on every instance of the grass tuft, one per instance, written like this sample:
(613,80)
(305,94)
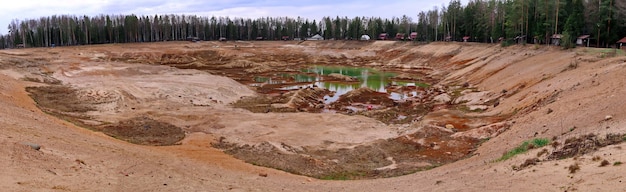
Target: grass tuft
(525,146)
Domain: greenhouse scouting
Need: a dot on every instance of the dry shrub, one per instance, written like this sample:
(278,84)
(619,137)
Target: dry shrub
(604,163)
(542,152)
(573,168)
(596,158)
(528,163)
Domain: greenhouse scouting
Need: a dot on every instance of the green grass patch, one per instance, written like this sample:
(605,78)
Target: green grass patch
(524,147)
(605,52)
(422,84)
(540,142)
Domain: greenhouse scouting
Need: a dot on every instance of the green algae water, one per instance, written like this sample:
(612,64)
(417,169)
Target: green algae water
(367,77)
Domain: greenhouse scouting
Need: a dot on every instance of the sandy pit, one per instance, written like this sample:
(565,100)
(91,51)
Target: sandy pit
(268,116)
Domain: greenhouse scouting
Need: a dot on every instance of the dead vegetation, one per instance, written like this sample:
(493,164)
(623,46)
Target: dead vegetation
(309,99)
(58,99)
(144,131)
(384,158)
(573,168)
(65,103)
(577,146)
(574,147)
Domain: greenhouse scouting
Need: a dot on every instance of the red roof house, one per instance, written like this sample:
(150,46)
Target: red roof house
(622,43)
(413,36)
(382,36)
(399,36)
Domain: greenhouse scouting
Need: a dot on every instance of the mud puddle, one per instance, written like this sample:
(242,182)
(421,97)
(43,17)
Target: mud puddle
(340,80)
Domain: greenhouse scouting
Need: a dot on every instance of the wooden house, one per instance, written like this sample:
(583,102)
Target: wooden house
(382,36)
(622,43)
(400,36)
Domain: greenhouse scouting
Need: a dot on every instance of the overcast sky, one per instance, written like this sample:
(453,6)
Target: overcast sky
(311,9)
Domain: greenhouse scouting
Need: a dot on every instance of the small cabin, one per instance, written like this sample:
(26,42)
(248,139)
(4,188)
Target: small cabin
(413,36)
(383,36)
(583,40)
(622,43)
(285,38)
(222,39)
(259,38)
(466,38)
(400,36)
(556,39)
(520,39)
(193,39)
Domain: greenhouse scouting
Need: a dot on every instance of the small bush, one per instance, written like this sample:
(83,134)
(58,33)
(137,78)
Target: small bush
(604,163)
(596,158)
(617,163)
(573,168)
(540,142)
(573,64)
(527,163)
(506,43)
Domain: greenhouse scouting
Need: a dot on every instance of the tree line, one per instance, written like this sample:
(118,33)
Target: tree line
(521,21)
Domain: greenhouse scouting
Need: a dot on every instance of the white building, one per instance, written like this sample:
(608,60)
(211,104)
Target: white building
(315,37)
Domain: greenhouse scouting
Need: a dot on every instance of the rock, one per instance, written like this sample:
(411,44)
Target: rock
(474,98)
(263,174)
(478,107)
(343,77)
(484,132)
(608,117)
(442,98)
(449,126)
(32,145)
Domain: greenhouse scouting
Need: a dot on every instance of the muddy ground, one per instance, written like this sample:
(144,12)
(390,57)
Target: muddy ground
(464,102)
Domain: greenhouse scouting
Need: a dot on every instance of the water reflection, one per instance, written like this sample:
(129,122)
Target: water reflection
(367,77)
